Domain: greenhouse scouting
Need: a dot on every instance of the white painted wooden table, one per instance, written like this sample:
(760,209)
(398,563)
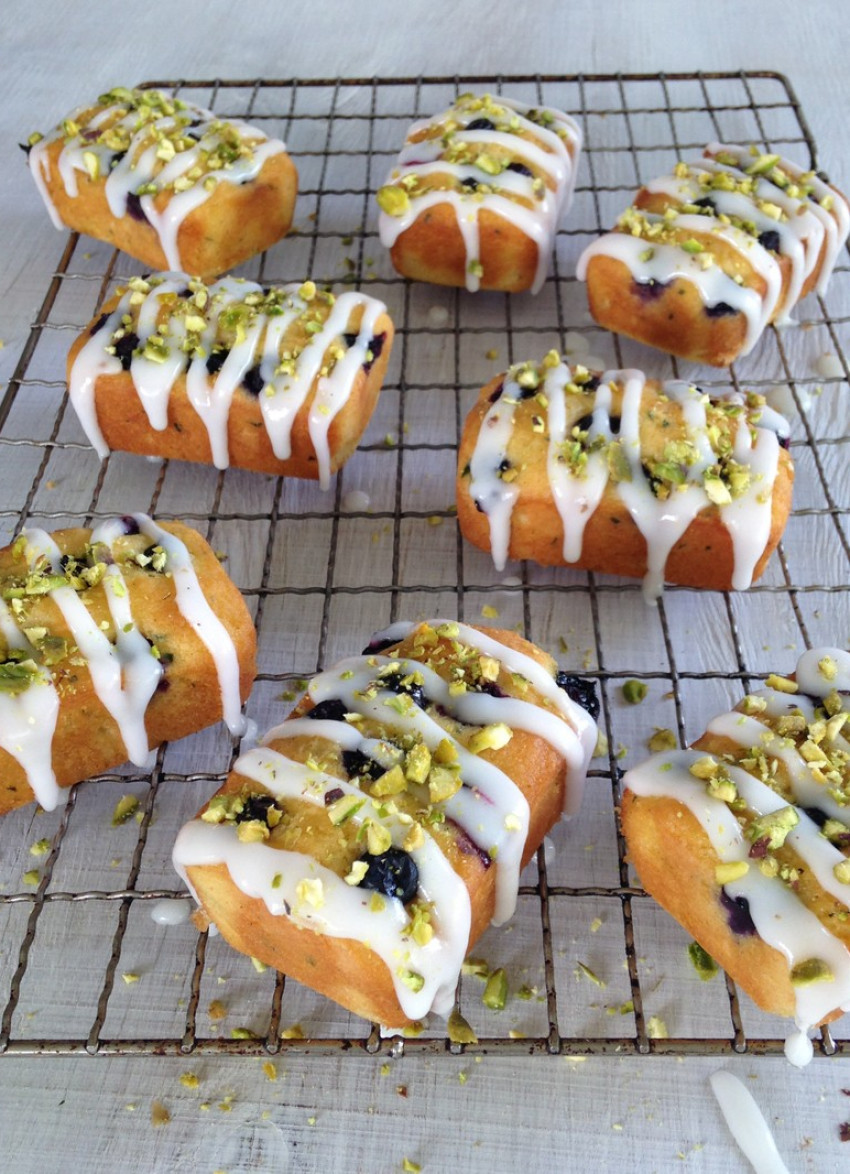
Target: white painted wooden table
(352,1111)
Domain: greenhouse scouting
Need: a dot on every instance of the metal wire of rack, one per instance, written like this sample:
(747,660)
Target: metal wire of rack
(594,967)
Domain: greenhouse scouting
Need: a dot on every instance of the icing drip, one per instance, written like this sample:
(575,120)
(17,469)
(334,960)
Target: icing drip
(199,317)
(746,1123)
(148,143)
(577,487)
(780,917)
(775,212)
(518,191)
(124,671)
(200,616)
(488,807)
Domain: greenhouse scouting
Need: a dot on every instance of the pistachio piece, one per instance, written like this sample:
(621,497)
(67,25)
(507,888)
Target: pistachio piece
(496,990)
(459,1031)
(810,971)
(393,200)
(731,870)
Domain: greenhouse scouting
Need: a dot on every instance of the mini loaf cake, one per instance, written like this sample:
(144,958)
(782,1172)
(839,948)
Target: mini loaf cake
(171,184)
(708,256)
(745,840)
(617,473)
(278,380)
(475,197)
(112,641)
(373,836)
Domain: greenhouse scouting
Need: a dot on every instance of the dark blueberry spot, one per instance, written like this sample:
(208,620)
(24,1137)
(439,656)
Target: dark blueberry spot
(350,339)
(467,846)
(185,293)
(99,324)
(769,240)
(479,507)
(738,914)
(520,169)
(332,795)
(216,360)
(332,710)
(584,423)
(471,183)
(26,148)
(655,483)
(494,395)
(816,815)
(504,465)
(376,345)
(131,526)
(134,208)
(393,873)
(719,310)
(377,645)
(590,384)
(253,381)
(579,690)
(124,348)
(705,202)
(256,807)
(399,684)
(649,291)
(480,124)
(163,685)
(491,689)
(784,442)
(615,425)
(116,159)
(357,763)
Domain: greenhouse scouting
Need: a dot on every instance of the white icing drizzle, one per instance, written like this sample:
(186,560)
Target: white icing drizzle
(124,673)
(780,918)
(200,616)
(28,720)
(552,159)
(489,808)
(138,166)
(662,522)
(806,232)
(746,1123)
(285,390)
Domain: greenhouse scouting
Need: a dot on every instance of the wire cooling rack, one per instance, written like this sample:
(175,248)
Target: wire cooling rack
(593,966)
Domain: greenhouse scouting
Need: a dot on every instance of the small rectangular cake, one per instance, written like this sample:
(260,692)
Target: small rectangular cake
(112,640)
(373,836)
(476,195)
(280,380)
(745,840)
(709,255)
(170,183)
(618,473)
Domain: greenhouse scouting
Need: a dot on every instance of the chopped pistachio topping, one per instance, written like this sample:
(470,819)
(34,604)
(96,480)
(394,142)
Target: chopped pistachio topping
(459,1031)
(702,961)
(124,808)
(731,871)
(810,971)
(496,990)
(634,692)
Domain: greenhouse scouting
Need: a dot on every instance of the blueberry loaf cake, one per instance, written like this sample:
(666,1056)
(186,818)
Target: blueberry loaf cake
(281,380)
(745,840)
(614,472)
(372,837)
(166,181)
(476,194)
(708,256)
(112,640)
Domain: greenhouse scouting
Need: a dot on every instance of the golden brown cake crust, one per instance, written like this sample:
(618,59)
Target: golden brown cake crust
(341,968)
(613,543)
(87,739)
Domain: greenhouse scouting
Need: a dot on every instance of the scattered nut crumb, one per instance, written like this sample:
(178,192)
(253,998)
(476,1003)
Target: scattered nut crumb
(189,1080)
(216,1009)
(159,1114)
(130,977)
